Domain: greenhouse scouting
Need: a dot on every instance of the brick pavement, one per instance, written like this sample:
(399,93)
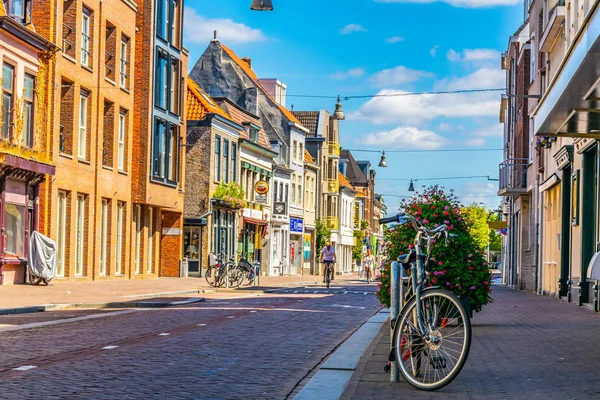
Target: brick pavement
(524,346)
(255,355)
(61,292)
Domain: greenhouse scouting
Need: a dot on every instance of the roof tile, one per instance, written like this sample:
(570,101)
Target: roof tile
(200,103)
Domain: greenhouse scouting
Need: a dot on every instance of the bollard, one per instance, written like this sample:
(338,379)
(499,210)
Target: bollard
(257,275)
(394,312)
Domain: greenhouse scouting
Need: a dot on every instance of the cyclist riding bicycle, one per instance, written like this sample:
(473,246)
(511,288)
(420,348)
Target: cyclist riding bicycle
(368,265)
(328,259)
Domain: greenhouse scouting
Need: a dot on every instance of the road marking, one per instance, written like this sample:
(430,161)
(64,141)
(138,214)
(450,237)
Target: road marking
(163,334)
(109,347)
(296,291)
(366,293)
(201,325)
(346,306)
(25,368)
(230,316)
(253,311)
(346,292)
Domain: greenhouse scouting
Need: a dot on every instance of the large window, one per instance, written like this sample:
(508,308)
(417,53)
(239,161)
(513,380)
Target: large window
(80,232)
(122,138)
(226,160)
(28,110)
(124,77)
(168,21)
(162,18)
(168,83)
(83,112)
(233,162)
(218,158)
(119,247)
(62,233)
(85,38)
(8,77)
(162,83)
(166,152)
(104,236)
(14,229)
(175,84)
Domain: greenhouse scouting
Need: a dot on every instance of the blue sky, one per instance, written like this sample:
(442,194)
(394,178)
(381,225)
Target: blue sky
(364,47)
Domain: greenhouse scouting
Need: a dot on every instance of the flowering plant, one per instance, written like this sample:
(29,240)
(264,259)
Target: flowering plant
(232,193)
(459,267)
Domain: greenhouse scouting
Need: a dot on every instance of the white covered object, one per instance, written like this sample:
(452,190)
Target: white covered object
(42,260)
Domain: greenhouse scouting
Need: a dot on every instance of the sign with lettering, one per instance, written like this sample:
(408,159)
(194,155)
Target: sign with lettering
(261,187)
(279,208)
(296,225)
(497,224)
(261,199)
(171,231)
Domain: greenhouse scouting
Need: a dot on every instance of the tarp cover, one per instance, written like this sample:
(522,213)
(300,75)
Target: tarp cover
(42,256)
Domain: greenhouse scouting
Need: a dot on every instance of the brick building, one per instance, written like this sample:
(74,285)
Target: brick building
(25,158)
(117,199)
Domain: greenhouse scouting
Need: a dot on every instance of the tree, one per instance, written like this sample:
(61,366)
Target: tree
(495,237)
(323,235)
(359,235)
(477,218)
(459,267)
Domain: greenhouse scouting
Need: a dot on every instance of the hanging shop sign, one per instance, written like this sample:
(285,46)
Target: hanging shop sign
(296,225)
(261,187)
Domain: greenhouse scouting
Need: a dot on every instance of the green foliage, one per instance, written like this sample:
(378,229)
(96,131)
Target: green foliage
(495,237)
(358,247)
(459,267)
(231,192)
(477,218)
(323,235)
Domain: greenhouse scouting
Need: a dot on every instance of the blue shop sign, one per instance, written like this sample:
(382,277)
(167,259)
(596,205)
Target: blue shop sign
(296,225)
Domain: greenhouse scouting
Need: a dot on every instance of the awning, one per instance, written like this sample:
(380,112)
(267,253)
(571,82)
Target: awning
(255,221)
(550,182)
(571,106)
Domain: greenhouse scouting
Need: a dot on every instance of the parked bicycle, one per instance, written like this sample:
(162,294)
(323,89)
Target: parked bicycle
(218,271)
(432,334)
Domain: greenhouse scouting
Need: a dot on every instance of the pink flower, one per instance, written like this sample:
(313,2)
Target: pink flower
(470,255)
(472,287)
(446,222)
(447,283)
(484,263)
(469,261)
(486,283)
(446,208)
(435,215)
(425,221)
(459,218)
(440,263)
(446,213)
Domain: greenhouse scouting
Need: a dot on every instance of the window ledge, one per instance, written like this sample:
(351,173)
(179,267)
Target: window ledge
(68,57)
(87,68)
(107,79)
(108,167)
(125,89)
(84,161)
(121,172)
(163,183)
(65,155)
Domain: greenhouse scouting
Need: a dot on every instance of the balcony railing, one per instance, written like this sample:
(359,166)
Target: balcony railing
(333,223)
(334,149)
(513,177)
(555,21)
(333,186)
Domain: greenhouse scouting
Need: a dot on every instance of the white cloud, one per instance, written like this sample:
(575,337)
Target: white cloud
(452,55)
(418,110)
(473,55)
(483,78)
(351,28)
(199,29)
(394,39)
(351,73)
(405,137)
(433,50)
(491,131)
(397,76)
(475,142)
(460,3)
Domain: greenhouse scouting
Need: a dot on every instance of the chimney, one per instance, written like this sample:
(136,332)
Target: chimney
(215,38)
(248,61)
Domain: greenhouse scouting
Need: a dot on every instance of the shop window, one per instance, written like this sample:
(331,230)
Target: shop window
(120,255)
(63,233)
(137,225)
(105,219)
(80,226)
(14,228)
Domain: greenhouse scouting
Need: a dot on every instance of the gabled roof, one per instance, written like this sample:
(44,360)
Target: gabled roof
(252,75)
(310,120)
(344,182)
(307,157)
(353,170)
(242,117)
(199,103)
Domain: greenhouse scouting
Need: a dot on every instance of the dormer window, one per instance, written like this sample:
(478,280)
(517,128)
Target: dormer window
(253,134)
(18,9)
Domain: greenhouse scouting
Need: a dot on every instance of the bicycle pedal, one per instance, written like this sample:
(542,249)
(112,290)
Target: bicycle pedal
(387,367)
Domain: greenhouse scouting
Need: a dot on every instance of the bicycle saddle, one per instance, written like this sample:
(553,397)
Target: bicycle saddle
(406,259)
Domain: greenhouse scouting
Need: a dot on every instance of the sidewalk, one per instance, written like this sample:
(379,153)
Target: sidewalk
(524,346)
(73,292)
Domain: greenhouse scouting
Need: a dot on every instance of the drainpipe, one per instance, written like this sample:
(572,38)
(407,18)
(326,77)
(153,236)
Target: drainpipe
(538,245)
(512,244)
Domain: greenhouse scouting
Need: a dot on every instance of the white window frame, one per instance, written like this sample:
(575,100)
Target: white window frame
(80,234)
(61,235)
(119,245)
(85,37)
(83,108)
(103,237)
(124,63)
(121,142)
(138,238)
(150,239)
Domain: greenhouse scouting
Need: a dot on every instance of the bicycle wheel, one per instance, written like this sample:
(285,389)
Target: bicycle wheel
(235,274)
(369,275)
(211,276)
(432,359)
(250,276)
(328,276)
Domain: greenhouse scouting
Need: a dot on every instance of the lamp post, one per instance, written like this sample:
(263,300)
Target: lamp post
(261,5)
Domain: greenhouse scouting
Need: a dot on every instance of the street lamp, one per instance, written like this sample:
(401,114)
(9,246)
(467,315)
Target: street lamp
(261,5)
(411,187)
(339,114)
(383,162)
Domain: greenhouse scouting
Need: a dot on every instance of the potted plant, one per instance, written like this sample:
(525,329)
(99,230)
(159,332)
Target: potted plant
(230,194)
(459,267)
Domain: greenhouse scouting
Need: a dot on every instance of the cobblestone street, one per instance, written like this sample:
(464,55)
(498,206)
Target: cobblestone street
(243,347)
(524,346)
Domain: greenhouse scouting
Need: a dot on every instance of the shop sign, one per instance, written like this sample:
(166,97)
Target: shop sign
(279,208)
(251,213)
(296,225)
(261,199)
(261,187)
(497,224)
(171,231)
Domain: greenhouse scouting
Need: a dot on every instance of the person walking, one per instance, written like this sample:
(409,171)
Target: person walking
(328,259)
(368,265)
